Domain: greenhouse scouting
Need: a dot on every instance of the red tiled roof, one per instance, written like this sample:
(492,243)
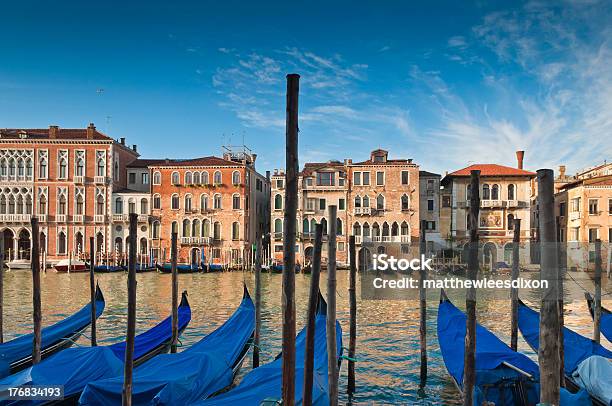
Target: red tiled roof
(203,161)
(310,167)
(387,162)
(492,170)
(145,163)
(43,133)
(596,181)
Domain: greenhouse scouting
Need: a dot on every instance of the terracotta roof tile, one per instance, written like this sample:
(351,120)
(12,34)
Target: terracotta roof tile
(203,161)
(43,133)
(492,170)
(310,167)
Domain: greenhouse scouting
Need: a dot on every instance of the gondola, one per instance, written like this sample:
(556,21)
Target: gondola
(74,368)
(605,324)
(215,268)
(579,353)
(142,268)
(264,382)
(16,354)
(206,367)
(108,268)
(503,376)
(278,268)
(180,268)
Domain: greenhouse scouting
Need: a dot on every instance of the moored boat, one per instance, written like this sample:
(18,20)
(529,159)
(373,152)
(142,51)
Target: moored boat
(180,268)
(108,268)
(75,265)
(605,324)
(19,265)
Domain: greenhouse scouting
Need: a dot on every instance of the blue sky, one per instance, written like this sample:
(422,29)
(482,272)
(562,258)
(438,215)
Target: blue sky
(445,83)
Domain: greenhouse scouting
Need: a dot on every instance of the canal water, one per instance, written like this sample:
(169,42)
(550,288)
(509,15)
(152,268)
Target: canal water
(387,345)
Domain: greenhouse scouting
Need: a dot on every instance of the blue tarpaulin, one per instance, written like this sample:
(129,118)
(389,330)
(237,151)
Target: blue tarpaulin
(265,382)
(178,379)
(606,325)
(21,347)
(75,367)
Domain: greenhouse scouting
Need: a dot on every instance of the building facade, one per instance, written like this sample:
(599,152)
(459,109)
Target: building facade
(506,194)
(429,209)
(65,177)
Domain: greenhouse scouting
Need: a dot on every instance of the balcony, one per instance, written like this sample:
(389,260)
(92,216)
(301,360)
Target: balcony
(79,180)
(494,203)
(78,218)
(278,236)
(385,238)
(195,240)
(118,218)
(143,218)
(100,180)
(362,211)
(574,215)
(99,218)
(60,218)
(15,218)
(42,218)
(491,203)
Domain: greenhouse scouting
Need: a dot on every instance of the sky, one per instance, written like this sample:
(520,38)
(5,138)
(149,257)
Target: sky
(447,84)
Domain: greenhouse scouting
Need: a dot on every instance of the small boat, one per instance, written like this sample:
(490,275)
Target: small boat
(215,268)
(605,325)
(201,370)
(265,382)
(74,368)
(17,353)
(75,266)
(278,268)
(19,264)
(180,268)
(580,355)
(503,376)
(108,268)
(141,268)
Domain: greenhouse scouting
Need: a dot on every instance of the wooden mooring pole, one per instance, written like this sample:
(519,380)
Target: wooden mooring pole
(423,308)
(1,288)
(352,315)
(597,299)
(131,319)
(516,241)
(332,355)
(548,354)
(289,228)
(92,292)
(562,261)
(257,335)
(312,312)
(37,313)
(469,362)
(174,294)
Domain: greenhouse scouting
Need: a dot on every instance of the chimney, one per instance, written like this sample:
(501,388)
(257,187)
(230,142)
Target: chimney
(91,129)
(253,158)
(53,132)
(122,140)
(268,175)
(561,171)
(135,148)
(519,159)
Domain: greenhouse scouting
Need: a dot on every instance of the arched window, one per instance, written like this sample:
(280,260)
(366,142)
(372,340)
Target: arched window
(156,201)
(131,206)
(495,192)
(366,229)
(375,230)
(61,243)
(278,202)
(339,226)
(80,167)
(144,206)
(468,192)
(29,168)
(366,201)
(175,202)
(196,178)
(313,226)
(100,205)
(42,168)
(11,205)
(63,168)
(486,192)
(324,225)
(28,204)
(385,229)
(186,228)
(217,201)
(19,204)
(510,222)
(394,229)
(235,178)
(235,230)
(100,167)
(357,201)
(203,202)
(217,180)
(99,242)
(356,229)
(156,178)
(155,230)
(305,226)
(206,228)
(236,201)
(510,192)
(404,229)
(174,228)
(205,178)
(143,246)
(188,178)
(61,207)
(405,203)
(42,205)
(3,167)
(217,230)
(195,228)
(278,226)
(79,205)
(21,169)
(118,206)
(176,178)
(380,202)
(3,206)
(188,202)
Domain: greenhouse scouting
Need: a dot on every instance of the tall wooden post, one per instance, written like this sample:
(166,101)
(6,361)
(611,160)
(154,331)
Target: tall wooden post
(469,362)
(516,241)
(562,255)
(289,226)
(352,314)
(1,288)
(37,313)
(332,355)
(92,292)
(174,294)
(257,336)
(597,299)
(423,308)
(312,310)
(131,319)
(548,354)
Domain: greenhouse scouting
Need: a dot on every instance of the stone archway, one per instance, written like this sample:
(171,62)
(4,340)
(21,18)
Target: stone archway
(308,252)
(24,244)
(8,244)
(195,256)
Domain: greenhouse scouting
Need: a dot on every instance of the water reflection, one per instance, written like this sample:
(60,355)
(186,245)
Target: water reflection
(387,345)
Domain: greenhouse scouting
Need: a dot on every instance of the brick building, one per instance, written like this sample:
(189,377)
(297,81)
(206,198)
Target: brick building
(429,209)
(65,177)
